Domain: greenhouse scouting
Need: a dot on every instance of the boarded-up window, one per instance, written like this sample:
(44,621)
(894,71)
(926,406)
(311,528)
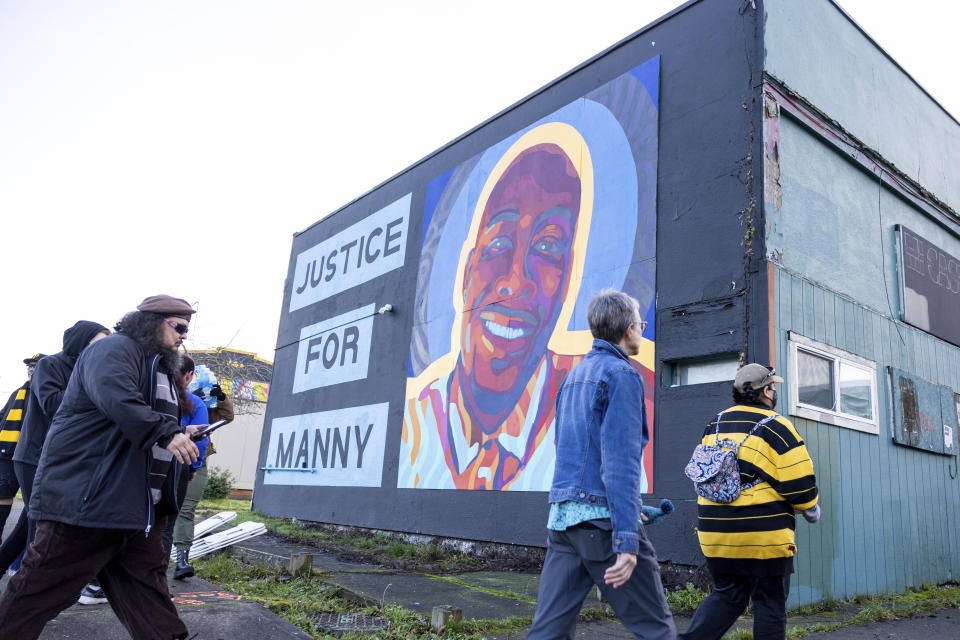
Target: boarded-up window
(925,414)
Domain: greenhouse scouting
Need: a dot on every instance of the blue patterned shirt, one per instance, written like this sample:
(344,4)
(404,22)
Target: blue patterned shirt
(564,515)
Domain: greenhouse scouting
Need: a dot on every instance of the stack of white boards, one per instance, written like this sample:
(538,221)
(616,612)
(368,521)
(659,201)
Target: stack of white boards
(204,543)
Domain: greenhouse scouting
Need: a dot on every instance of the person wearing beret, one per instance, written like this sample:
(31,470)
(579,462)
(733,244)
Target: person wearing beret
(102,490)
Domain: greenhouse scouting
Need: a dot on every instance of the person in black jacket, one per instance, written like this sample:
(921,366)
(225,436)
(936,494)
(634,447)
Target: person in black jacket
(48,383)
(99,498)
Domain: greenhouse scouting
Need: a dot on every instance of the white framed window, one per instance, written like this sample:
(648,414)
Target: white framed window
(832,386)
(718,368)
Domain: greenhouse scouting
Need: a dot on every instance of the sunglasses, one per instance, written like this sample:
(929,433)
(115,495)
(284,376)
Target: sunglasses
(771,371)
(179,328)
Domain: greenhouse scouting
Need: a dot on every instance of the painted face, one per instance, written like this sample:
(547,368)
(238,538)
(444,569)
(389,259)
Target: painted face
(517,273)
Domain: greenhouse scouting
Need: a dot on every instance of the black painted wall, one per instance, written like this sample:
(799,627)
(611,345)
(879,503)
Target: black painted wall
(710,293)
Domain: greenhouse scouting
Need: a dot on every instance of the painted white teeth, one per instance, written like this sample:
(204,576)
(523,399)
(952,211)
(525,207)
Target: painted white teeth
(510,333)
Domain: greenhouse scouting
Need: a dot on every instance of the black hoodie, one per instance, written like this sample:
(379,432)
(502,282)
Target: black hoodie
(47,386)
(96,464)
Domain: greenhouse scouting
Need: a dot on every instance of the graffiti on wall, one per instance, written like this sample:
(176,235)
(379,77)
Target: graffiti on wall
(246,389)
(514,243)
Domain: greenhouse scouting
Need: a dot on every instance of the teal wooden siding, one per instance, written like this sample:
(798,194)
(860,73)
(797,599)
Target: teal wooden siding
(891,514)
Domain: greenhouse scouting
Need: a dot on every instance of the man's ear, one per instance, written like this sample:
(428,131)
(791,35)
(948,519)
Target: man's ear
(467,267)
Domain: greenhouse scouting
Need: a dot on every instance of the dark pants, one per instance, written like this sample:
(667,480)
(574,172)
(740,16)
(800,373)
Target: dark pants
(8,480)
(576,560)
(63,558)
(19,539)
(729,599)
(183,485)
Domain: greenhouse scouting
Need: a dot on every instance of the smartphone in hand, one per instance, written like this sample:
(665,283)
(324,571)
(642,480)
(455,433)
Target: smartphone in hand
(210,428)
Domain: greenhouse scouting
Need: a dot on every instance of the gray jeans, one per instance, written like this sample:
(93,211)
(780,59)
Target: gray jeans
(576,560)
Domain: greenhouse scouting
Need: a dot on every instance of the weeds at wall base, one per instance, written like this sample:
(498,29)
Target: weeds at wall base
(260,584)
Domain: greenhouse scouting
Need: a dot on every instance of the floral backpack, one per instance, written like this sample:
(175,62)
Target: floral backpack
(714,469)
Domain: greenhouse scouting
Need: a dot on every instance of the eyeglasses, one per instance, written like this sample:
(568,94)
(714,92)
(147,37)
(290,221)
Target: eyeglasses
(642,324)
(179,328)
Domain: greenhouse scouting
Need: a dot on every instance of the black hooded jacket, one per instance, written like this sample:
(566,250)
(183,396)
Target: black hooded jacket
(49,383)
(95,466)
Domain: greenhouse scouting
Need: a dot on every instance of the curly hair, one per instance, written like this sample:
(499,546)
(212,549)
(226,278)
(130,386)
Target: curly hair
(749,395)
(144,327)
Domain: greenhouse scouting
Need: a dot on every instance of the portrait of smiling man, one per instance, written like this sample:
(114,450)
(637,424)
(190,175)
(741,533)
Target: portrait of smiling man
(482,423)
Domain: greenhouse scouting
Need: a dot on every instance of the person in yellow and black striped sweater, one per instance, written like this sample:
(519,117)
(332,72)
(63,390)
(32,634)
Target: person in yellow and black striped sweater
(749,543)
(11,418)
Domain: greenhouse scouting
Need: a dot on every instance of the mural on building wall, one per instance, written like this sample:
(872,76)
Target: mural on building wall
(247,389)
(514,243)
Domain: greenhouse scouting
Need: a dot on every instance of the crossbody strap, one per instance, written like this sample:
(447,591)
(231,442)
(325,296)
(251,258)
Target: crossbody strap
(757,426)
(716,441)
(751,485)
(749,433)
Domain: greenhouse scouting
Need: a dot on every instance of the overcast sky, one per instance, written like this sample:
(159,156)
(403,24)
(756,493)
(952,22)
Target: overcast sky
(175,146)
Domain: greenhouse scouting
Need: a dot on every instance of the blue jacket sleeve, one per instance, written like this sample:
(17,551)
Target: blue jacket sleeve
(622,437)
(199,416)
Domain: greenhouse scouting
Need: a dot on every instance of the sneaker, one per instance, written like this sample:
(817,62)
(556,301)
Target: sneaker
(93,594)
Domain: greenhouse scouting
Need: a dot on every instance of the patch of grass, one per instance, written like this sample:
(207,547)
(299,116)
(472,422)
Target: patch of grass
(596,614)
(484,628)
(930,597)
(398,549)
(217,505)
(378,544)
(877,608)
(282,526)
(685,600)
(739,634)
(298,599)
(294,600)
(825,606)
(505,594)
(874,612)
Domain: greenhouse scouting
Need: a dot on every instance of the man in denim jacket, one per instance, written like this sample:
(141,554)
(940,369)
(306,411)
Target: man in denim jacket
(594,534)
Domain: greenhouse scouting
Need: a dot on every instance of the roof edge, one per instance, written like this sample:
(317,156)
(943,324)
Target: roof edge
(889,57)
(515,105)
